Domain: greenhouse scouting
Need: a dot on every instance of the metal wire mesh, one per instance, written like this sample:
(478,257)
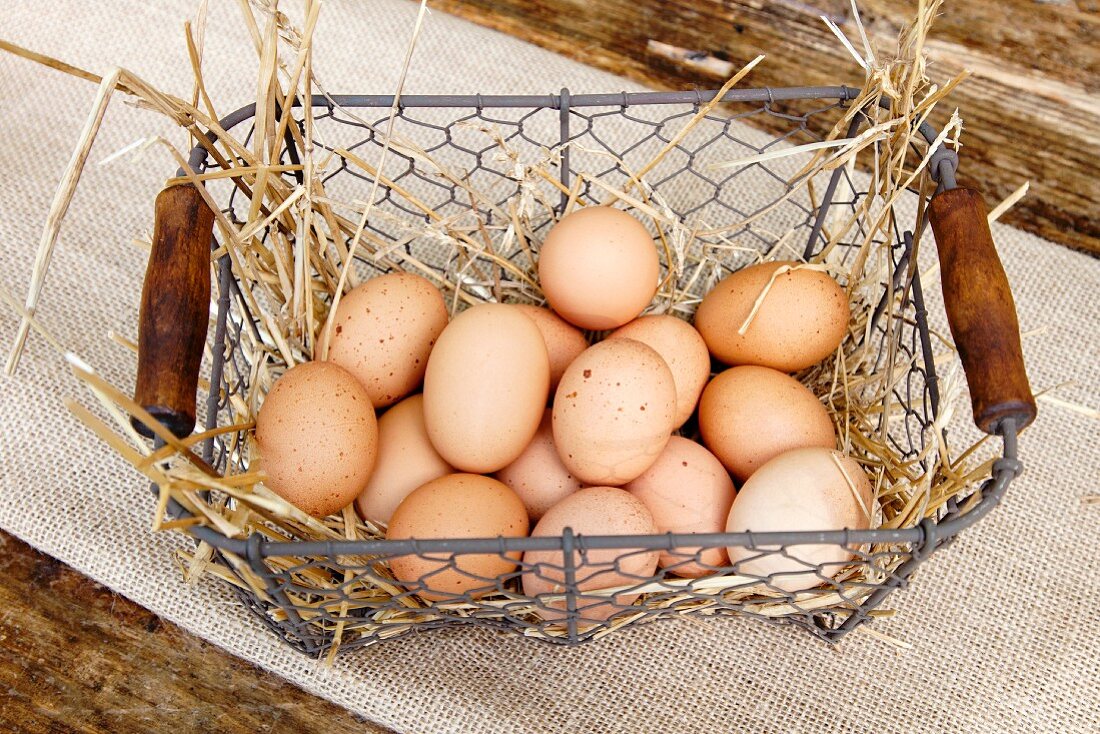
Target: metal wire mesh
(606,587)
(316,589)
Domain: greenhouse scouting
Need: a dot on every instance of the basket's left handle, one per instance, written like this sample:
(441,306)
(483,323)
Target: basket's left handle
(175,310)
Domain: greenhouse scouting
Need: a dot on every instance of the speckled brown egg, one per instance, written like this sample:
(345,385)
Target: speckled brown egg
(683,350)
(538,476)
(688,491)
(804,489)
(598,267)
(802,318)
(592,511)
(383,332)
(614,411)
(457,506)
(317,437)
(406,460)
(749,414)
(486,388)
(564,342)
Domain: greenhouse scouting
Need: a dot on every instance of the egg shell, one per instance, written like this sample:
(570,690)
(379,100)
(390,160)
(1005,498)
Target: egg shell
(802,319)
(683,350)
(384,330)
(749,414)
(317,437)
(598,267)
(564,342)
(538,476)
(614,411)
(486,387)
(592,511)
(406,460)
(457,506)
(688,491)
(804,489)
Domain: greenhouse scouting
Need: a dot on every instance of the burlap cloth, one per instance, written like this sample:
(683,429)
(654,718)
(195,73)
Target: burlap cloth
(1003,626)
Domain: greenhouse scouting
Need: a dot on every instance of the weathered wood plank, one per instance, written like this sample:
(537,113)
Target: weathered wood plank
(76,657)
(1031,107)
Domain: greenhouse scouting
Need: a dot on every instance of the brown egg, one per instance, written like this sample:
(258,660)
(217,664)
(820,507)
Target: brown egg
(688,491)
(383,332)
(802,319)
(592,511)
(457,506)
(317,437)
(804,489)
(406,460)
(614,411)
(749,414)
(564,342)
(486,388)
(683,350)
(538,476)
(598,267)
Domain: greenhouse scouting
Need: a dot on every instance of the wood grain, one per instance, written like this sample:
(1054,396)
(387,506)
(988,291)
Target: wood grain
(175,310)
(76,657)
(980,310)
(1031,108)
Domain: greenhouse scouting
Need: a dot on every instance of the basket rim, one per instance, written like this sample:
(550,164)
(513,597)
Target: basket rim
(563,101)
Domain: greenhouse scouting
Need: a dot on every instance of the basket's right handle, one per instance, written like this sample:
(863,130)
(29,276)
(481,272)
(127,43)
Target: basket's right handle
(980,310)
(175,310)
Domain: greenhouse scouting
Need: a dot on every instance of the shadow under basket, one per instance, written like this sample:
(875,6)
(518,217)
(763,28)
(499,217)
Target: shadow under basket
(315,594)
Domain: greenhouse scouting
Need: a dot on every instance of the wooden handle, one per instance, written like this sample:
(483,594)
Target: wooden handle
(175,310)
(980,310)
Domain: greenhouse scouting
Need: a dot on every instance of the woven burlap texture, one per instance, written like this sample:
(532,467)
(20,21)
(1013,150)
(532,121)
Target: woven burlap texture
(1003,625)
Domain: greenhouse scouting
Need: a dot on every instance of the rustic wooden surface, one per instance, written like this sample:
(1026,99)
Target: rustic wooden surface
(76,657)
(1031,108)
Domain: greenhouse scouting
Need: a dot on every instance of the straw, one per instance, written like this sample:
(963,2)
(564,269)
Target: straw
(296,247)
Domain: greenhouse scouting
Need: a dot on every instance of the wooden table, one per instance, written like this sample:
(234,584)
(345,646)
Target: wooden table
(1031,111)
(76,657)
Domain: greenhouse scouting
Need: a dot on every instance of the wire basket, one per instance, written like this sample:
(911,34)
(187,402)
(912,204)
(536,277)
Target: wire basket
(594,590)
